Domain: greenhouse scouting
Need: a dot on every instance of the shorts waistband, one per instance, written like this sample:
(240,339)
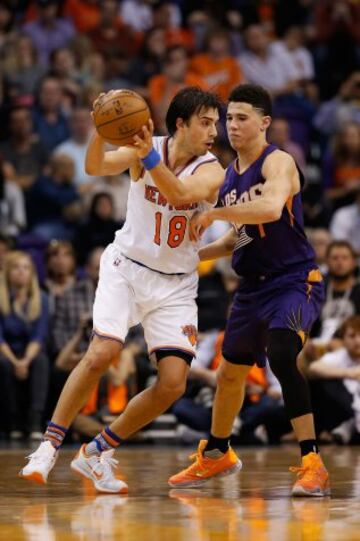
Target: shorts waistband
(154,270)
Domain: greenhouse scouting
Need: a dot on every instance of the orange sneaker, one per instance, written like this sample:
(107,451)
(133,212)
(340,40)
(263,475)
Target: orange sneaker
(313,478)
(204,468)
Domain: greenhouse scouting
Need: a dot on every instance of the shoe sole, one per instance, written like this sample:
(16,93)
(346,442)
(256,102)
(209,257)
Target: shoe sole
(35,477)
(83,473)
(300,492)
(193,484)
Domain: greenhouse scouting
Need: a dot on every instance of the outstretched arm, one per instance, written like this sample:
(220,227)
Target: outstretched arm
(113,162)
(221,247)
(282,182)
(201,186)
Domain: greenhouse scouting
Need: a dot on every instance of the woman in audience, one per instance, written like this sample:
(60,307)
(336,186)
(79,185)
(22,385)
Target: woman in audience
(23,364)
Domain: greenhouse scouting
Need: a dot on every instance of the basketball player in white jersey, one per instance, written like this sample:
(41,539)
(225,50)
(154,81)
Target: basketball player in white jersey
(147,275)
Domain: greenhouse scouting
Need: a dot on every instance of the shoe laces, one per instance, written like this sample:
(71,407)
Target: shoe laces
(105,464)
(197,460)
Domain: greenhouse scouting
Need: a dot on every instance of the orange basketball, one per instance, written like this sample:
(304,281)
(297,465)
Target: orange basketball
(120,115)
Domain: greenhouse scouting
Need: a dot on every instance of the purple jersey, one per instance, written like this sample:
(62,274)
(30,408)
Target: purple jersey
(272,248)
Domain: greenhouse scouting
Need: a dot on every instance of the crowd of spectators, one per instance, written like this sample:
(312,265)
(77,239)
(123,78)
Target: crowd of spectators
(55,220)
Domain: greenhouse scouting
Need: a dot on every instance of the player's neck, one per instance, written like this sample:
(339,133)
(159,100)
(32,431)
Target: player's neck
(249,154)
(179,155)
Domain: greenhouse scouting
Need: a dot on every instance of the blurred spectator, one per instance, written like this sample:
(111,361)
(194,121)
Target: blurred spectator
(279,134)
(75,305)
(12,207)
(216,66)
(22,69)
(342,291)
(341,167)
(85,14)
(23,329)
(338,394)
(167,15)
(292,44)
(6,23)
(6,245)
(320,239)
(175,75)
(149,60)
(50,123)
(345,224)
(344,107)
(53,203)
(26,156)
(60,263)
(265,65)
(99,228)
(63,67)
(111,36)
(49,32)
(75,147)
(137,13)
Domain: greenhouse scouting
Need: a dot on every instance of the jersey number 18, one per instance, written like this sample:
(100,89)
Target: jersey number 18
(177,230)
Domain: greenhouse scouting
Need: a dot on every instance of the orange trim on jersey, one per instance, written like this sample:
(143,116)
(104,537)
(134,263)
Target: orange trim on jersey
(236,162)
(315,276)
(165,151)
(302,336)
(101,334)
(261,230)
(289,204)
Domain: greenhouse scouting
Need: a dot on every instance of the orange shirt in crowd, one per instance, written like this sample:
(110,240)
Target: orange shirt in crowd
(346,173)
(84,15)
(158,85)
(220,75)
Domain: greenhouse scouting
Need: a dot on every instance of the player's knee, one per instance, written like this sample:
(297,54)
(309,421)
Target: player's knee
(283,349)
(100,355)
(231,378)
(170,391)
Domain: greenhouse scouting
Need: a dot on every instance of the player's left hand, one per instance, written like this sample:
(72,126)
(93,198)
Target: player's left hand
(144,143)
(199,223)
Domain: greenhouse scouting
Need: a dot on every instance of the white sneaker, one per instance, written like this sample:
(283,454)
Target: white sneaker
(41,462)
(98,468)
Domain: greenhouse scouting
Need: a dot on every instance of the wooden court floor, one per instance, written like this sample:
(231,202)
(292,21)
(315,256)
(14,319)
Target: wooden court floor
(252,506)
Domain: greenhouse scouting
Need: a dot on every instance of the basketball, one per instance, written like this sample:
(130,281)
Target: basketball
(120,115)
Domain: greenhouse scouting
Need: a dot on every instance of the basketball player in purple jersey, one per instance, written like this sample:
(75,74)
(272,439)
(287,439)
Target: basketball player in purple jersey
(279,296)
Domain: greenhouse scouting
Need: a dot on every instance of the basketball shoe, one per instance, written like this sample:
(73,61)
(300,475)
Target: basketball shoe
(41,462)
(313,478)
(205,468)
(98,468)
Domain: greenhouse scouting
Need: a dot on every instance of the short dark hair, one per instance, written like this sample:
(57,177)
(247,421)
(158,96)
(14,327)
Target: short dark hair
(341,244)
(188,102)
(352,323)
(256,95)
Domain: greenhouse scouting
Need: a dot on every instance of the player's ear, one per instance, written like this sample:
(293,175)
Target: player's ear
(179,123)
(265,122)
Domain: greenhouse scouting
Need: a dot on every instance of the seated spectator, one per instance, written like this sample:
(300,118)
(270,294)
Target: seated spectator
(216,66)
(23,364)
(63,67)
(85,14)
(293,44)
(53,203)
(99,228)
(279,134)
(137,13)
(50,123)
(149,60)
(341,167)
(22,69)
(48,31)
(117,187)
(320,239)
(12,207)
(345,224)
(342,298)
(26,155)
(7,19)
(264,65)
(344,107)
(337,397)
(60,269)
(75,147)
(74,304)
(175,75)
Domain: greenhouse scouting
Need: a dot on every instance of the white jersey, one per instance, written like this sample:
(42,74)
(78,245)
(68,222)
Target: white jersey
(155,233)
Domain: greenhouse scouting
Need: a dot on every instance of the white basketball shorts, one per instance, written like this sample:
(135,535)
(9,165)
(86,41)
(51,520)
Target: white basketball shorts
(128,294)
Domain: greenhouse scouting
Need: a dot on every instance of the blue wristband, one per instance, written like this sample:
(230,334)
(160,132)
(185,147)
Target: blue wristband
(151,160)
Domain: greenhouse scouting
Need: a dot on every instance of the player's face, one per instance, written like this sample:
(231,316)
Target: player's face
(244,124)
(200,132)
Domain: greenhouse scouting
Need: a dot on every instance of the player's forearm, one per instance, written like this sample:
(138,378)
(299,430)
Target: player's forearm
(259,211)
(95,155)
(221,247)
(169,185)
(328,372)
(99,162)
